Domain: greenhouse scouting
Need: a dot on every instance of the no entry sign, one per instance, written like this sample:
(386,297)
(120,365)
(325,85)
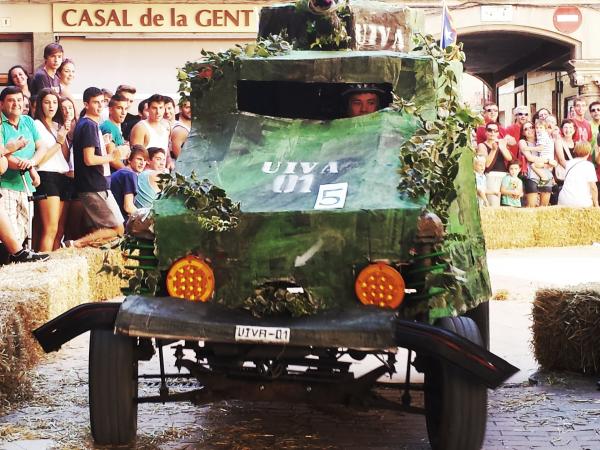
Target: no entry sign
(567,19)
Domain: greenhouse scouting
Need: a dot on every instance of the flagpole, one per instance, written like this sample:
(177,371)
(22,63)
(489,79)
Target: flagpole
(442,22)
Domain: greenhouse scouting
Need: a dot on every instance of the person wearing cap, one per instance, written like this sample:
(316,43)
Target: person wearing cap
(521,116)
(361,99)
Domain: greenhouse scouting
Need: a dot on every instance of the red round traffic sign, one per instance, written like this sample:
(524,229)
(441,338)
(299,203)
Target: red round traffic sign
(567,19)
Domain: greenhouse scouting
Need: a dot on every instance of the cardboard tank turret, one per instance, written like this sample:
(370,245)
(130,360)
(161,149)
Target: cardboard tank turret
(328,258)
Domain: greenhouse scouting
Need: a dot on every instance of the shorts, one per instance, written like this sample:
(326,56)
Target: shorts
(14,203)
(531,186)
(493,182)
(53,184)
(102,209)
(71,190)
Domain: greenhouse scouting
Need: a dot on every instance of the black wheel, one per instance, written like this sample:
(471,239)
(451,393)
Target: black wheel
(481,317)
(113,388)
(455,404)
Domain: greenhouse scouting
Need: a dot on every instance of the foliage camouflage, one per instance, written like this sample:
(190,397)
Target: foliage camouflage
(326,31)
(276,228)
(200,76)
(274,167)
(211,206)
(142,278)
(437,160)
(277,300)
(354,25)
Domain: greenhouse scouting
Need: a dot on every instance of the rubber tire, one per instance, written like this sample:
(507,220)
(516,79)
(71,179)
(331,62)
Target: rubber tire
(112,388)
(481,317)
(455,404)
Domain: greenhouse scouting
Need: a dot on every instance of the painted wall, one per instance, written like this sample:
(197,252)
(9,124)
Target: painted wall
(148,64)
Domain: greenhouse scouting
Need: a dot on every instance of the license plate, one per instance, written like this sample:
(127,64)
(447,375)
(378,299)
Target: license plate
(266,335)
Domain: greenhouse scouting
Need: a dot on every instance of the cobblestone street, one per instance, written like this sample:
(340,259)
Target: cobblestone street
(561,411)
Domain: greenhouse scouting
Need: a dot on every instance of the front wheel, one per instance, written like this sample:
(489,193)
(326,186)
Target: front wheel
(113,371)
(455,403)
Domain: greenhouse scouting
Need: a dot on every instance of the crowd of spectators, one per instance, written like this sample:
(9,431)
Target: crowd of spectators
(84,173)
(91,171)
(535,162)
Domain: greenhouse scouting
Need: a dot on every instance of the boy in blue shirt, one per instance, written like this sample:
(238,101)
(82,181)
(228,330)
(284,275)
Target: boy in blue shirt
(123,182)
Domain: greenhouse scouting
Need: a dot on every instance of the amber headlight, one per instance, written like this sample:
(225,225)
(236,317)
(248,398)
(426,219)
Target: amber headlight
(380,285)
(191,278)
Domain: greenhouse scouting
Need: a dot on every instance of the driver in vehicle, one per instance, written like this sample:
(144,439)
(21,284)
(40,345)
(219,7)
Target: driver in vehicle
(361,99)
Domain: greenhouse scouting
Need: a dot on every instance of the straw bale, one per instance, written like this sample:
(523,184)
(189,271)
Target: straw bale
(101,285)
(560,226)
(32,294)
(61,284)
(18,351)
(551,226)
(566,328)
(508,227)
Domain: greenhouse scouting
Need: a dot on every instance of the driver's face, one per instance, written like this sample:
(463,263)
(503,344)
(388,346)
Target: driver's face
(361,104)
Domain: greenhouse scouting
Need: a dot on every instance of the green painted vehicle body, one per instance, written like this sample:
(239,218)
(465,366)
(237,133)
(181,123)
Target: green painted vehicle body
(275,168)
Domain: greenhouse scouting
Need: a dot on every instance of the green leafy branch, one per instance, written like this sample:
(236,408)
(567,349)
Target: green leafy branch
(202,74)
(141,279)
(326,28)
(215,211)
(430,158)
(277,300)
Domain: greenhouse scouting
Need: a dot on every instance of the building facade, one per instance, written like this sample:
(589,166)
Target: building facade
(527,52)
(141,44)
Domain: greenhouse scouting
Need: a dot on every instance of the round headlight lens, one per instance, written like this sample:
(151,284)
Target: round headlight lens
(380,285)
(191,278)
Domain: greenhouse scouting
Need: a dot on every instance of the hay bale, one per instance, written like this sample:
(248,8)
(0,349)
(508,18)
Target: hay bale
(34,293)
(101,285)
(508,227)
(18,350)
(560,226)
(60,284)
(566,328)
(550,226)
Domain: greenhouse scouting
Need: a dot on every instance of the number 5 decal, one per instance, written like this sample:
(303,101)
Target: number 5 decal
(331,196)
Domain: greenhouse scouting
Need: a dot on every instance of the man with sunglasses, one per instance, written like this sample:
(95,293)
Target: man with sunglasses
(490,115)
(496,157)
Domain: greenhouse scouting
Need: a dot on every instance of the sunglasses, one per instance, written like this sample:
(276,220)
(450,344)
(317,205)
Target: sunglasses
(595,110)
(521,114)
(491,110)
(492,130)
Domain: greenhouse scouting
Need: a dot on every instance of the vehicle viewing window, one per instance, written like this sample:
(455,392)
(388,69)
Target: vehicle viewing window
(297,100)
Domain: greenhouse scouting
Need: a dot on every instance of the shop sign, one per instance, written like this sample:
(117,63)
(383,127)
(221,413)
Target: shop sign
(154,18)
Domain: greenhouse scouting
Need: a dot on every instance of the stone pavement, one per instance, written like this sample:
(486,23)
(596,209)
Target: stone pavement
(562,411)
(564,414)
